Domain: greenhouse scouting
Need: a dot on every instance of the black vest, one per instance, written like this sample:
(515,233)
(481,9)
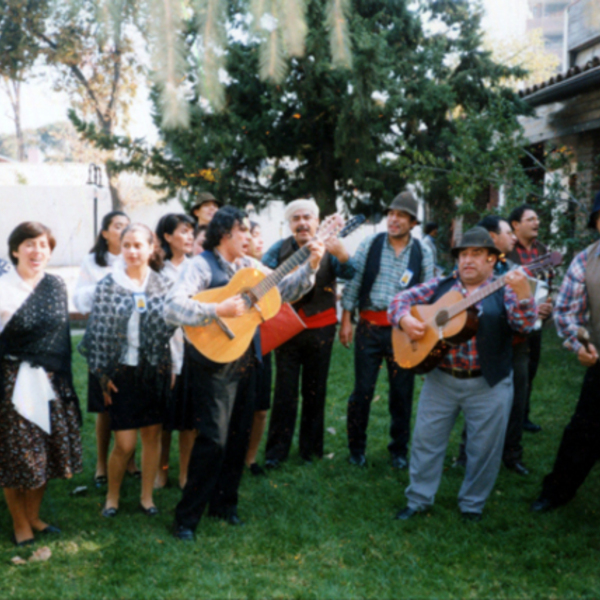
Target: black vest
(373,262)
(219,279)
(322,296)
(494,335)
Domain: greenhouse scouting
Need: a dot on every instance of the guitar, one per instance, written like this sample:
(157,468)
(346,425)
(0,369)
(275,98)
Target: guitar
(226,339)
(450,321)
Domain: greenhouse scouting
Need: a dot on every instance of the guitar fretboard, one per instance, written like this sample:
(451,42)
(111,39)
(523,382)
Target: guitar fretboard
(272,279)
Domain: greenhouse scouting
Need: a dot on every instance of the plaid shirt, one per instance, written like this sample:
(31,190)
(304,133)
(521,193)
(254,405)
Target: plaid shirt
(571,306)
(522,256)
(387,283)
(521,317)
(182,309)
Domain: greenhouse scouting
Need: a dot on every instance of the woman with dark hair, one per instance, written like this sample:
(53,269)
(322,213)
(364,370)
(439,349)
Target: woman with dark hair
(39,409)
(126,344)
(199,237)
(176,235)
(98,264)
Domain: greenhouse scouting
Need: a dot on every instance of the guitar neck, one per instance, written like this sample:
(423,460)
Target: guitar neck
(273,279)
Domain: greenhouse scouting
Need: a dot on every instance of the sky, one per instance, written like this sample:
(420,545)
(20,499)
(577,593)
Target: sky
(42,106)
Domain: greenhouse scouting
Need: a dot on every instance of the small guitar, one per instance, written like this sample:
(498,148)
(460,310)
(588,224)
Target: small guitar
(451,321)
(226,339)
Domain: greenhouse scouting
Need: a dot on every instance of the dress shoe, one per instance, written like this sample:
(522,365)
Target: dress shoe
(233,519)
(185,534)
(399,462)
(473,517)
(542,504)
(229,516)
(100,481)
(531,427)
(272,463)
(406,513)
(256,470)
(50,529)
(151,511)
(357,459)
(109,513)
(22,543)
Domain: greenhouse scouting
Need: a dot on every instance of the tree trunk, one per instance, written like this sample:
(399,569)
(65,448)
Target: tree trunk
(13,91)
(117,203)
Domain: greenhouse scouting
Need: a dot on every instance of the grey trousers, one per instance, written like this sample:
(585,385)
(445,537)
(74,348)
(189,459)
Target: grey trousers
(486,411)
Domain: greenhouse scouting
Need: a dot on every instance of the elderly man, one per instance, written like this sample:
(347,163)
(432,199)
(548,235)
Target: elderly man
(385,264)
(224,391)
(309,352)
(475,377)
(578,305)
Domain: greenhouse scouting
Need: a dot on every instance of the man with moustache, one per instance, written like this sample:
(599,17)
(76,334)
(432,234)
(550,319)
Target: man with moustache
(224,409)
(526,224)
(307,355)
(578,305)
(475,377)
(385,264)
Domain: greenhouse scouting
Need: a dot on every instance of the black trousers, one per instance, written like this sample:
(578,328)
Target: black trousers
(580,445)
(223,417)
(534,340)
(373,345)
(309,352)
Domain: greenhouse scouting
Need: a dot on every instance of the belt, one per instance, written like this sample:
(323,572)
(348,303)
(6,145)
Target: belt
(461,373)
(375,317)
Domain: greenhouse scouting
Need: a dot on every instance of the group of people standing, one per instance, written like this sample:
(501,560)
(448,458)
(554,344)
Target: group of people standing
(138,287)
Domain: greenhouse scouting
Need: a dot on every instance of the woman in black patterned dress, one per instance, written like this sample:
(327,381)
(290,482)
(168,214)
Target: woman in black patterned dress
(126,344)
(39,409)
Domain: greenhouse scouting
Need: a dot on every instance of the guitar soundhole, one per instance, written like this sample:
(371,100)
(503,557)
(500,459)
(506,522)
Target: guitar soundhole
(249,298)
(442,318)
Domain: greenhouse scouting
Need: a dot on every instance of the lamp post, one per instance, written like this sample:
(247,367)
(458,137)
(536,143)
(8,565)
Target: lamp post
(95,179)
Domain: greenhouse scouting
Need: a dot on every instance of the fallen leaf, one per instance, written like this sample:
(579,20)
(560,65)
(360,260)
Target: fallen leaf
(331,430)
(377,398)
(17,560)
(330,456)
(41,555)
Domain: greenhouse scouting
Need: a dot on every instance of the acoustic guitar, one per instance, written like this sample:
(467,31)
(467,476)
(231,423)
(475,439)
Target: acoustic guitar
(450,321)
(226,339)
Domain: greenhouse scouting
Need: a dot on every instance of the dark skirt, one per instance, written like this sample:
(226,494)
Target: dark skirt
(131,408)
(29,457)
(95,402)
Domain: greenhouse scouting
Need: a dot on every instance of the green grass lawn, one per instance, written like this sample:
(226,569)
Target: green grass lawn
(327,530)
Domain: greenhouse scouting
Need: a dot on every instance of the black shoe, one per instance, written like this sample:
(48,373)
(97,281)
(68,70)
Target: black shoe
(185,534)
(50,529)
(27,542)
(152,511)
(100,481)
(272,463)
(256,470)
(542,505)
(406,513)
(399,462)
(519,468)
(531,427)
(230,516)
(473,517)
(109,513)
(357,459)
(233,519)
(137,474)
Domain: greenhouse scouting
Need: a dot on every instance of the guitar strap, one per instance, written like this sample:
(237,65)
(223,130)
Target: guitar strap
(373,263)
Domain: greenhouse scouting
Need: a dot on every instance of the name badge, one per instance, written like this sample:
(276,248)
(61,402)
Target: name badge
(139,300)
(405,279)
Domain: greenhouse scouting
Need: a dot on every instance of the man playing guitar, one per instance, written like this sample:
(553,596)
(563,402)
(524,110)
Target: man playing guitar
(475,377)
(223,413)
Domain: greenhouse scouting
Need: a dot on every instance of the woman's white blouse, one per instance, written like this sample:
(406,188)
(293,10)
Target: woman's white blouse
(171,272)
(89,275)
(13,292)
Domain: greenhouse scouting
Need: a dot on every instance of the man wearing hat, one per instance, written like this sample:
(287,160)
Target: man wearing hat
(385,264)
(308,352)
(204,208)
(578,305)
(475,377)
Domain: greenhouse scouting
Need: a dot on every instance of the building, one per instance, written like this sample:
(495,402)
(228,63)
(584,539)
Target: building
(549,16)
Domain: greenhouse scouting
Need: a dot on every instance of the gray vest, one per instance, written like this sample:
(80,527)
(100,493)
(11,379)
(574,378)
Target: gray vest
(592,284)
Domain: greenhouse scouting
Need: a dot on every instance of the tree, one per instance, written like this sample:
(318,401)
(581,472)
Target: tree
(18,53)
